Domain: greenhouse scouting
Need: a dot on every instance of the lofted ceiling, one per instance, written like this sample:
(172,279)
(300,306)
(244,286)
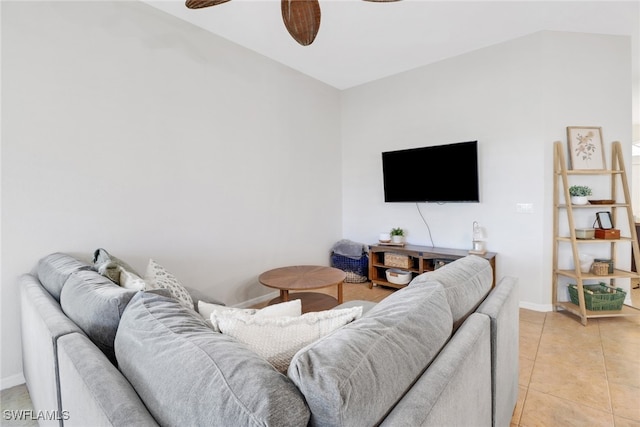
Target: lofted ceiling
(361,41)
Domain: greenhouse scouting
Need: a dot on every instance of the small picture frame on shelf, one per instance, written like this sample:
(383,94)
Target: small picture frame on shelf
(604,221)
(586,149)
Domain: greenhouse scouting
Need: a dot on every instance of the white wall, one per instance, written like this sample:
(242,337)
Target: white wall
(127,129)
(516,99)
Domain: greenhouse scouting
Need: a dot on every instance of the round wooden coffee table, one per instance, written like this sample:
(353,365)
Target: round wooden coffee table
(305,278)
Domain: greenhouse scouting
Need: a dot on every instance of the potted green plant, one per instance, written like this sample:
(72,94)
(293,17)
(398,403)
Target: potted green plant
(397,235)
(579,194)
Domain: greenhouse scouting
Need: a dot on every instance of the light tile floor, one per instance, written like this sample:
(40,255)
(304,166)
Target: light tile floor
(574,375)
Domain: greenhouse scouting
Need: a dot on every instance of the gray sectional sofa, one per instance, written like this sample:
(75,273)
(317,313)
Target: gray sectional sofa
(441,352)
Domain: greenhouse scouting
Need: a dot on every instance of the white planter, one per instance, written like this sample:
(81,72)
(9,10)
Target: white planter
(397,239)
(579,200)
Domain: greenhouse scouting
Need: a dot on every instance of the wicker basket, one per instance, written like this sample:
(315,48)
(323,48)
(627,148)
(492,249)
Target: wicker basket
(599,297)
(357,270)
(600,268)
(397,260)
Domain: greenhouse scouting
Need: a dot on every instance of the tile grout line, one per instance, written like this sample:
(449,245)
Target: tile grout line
(535,359)
(606,372)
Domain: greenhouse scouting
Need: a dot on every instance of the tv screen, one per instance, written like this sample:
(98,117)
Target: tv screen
(439,173)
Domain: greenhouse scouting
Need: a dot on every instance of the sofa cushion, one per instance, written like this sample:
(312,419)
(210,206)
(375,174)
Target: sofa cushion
(466,282)
(188,375)
(355,375)
(95,304)
(278,338)
(54,270)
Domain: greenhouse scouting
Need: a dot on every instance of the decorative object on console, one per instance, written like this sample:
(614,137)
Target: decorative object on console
(384,238)
(397,235)
(478,245)
(301,17)
(392,259)
(586,150)
(398,277)
(579,194)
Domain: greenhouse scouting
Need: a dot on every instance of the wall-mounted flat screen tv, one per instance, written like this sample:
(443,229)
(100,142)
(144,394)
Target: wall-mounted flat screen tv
(438,173)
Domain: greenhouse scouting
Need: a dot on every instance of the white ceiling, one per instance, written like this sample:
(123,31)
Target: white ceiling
(361,41)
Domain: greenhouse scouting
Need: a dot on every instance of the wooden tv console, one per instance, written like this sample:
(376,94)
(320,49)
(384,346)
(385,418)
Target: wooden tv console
(419,259)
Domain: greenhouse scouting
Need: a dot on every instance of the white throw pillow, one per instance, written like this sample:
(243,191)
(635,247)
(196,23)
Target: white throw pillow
(130,280)
(157,277)
(289,308)
(278,339)
(206,310)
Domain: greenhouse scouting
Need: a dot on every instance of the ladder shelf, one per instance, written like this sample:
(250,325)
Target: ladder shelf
(618,177)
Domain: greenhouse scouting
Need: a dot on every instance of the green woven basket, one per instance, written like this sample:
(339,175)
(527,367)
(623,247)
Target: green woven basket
(599,297)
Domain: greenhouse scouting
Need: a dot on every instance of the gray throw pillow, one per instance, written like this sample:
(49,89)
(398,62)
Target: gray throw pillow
(188,375)
(109,266)
(355,375)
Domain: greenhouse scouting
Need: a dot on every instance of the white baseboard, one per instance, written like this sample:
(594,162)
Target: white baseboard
(12,381)
(258,300)
(536,307)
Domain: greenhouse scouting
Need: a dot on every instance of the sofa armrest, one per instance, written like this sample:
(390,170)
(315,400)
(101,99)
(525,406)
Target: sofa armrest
(502,307)
(42,322)
(456,388)
(93,391)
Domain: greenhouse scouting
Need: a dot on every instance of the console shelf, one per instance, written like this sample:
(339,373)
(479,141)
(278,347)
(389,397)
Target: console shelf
(420,259)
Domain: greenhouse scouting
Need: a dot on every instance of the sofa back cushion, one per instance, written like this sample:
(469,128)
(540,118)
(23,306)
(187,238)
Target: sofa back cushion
(187,374)
(356,375)
(54,270)
(466,282)
(95,304)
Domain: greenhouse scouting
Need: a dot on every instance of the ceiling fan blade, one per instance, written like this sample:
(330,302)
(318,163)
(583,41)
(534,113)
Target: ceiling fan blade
(199,4)
(302,19)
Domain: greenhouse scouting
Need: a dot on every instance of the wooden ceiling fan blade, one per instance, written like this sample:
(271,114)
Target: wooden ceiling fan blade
(199,4)
(302,19)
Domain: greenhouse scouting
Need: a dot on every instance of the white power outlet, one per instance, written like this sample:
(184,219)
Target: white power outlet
(524,208)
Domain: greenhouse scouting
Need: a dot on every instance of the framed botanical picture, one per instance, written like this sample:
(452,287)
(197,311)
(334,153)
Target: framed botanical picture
(586,149)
